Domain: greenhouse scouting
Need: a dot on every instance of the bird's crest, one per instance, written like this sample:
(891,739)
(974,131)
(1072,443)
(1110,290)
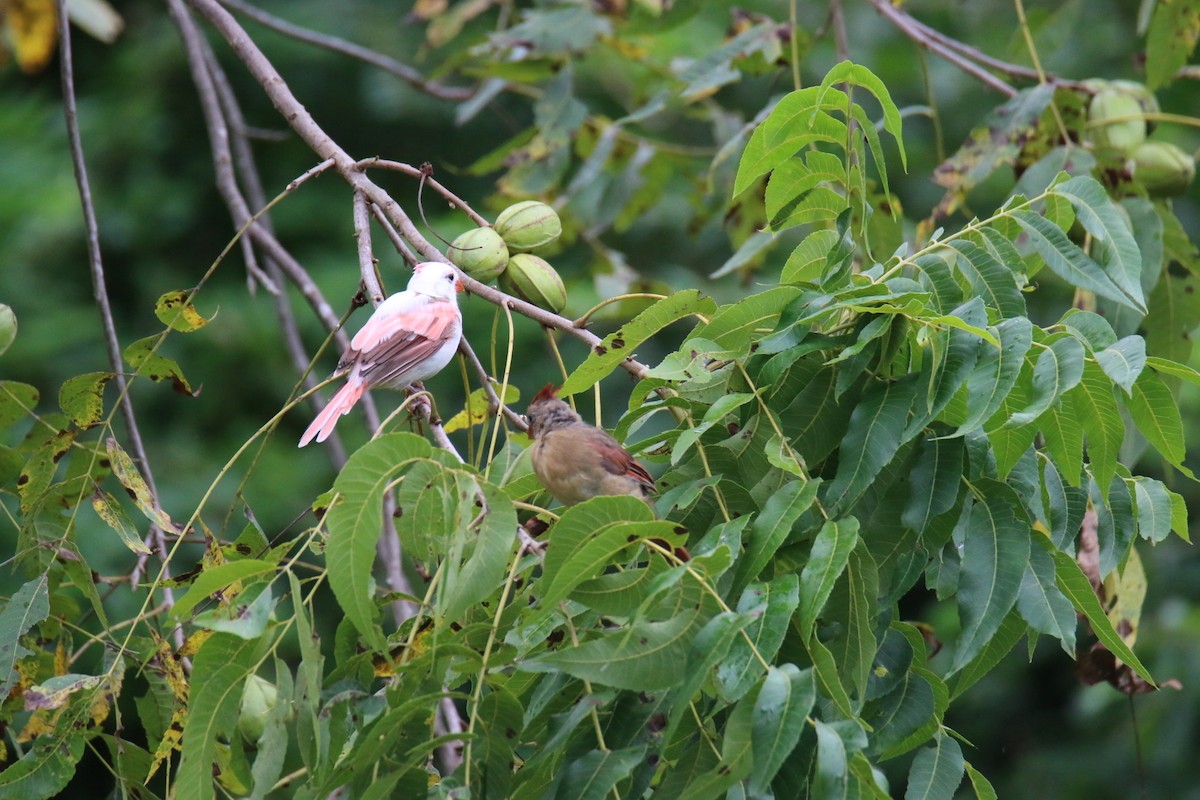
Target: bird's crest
(547,392)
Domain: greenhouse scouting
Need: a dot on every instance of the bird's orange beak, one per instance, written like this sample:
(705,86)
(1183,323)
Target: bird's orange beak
(458,285)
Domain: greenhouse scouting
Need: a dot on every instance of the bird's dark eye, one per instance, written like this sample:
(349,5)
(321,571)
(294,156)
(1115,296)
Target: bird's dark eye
(450,277)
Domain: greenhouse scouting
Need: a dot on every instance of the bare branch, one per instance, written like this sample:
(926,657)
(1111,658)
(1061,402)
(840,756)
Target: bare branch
(155,537)
(402,71)
(366,259)
(907,25)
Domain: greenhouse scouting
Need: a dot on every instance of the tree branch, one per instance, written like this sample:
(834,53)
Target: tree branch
(402,71)
(155,537)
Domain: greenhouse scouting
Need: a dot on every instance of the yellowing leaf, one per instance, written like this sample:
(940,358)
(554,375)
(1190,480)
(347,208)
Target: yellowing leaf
(175,310)
(33,27)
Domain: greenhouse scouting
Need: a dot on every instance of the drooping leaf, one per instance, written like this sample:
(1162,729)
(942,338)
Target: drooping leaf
(989,279)
(109,510)
(1124,361)
(216,578)
(732,326)
(796,121)
(1096,407)
(135,485)
(994,556)
(784,701)
(488,549)
(595,774)
(1174,30)
(1074,584)
(1067,261)
(1041,603)
(830,554)
(936,771)
(771,527)
(224,660)
(28,606)
(622,343)
(1156,414)
(355,521)
(1114,245)
(642,656)
(995,372)
(876,433)
(144,358)
(476,410)
(82,398)
(770,605)
(1058,369)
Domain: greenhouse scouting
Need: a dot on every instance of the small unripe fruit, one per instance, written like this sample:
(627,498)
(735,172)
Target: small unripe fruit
(259,697)
(1128,132)
(481,253)
(528,225)
(532,279)
(1144,96)
(1162,168)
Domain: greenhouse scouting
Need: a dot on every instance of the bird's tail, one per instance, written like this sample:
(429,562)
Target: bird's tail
(341,403)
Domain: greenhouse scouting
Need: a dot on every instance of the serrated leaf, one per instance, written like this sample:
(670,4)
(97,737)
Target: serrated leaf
(995,372)
(1154,411)
(1075,585)
(783,703)
(995,552)
(937,771)
(808,260)
(44,770)
(900,713)
(593,776)
(1058,369)
(830,778)
(989,279)
(1063,437)
(934,482)
(355,523)
(175,310)
(826,670)
(732,326)
(1112,242)
(109,510)
(830,553)
(28,606)
(487,551)
(716,413)
(979,783)
(224,661)
(877,427)
(771,527)
(853,74)
(1067,261)
(622,343)
(796,121)
(1012,628)
(143,356)
(581,538)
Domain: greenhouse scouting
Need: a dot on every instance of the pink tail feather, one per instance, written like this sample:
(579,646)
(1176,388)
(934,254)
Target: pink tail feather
(341,403)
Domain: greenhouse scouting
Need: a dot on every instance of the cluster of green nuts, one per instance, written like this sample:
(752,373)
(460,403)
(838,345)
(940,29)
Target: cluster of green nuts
(503,252)
(1117,117)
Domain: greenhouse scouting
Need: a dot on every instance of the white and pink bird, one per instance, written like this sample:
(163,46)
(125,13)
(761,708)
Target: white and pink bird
(410,337)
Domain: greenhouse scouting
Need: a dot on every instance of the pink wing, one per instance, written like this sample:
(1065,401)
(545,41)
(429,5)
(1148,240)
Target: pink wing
(397,341)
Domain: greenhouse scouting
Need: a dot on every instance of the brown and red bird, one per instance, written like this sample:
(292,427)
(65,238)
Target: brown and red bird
(576,461)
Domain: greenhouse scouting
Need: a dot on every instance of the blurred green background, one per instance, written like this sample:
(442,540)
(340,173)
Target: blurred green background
(1037,731)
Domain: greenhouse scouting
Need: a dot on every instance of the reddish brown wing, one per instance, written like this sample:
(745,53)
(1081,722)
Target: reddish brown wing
(616,459)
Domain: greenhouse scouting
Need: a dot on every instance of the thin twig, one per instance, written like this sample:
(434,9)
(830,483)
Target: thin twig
(904,23)
(394,236)
(155,537)
(402,71)
(414,172)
